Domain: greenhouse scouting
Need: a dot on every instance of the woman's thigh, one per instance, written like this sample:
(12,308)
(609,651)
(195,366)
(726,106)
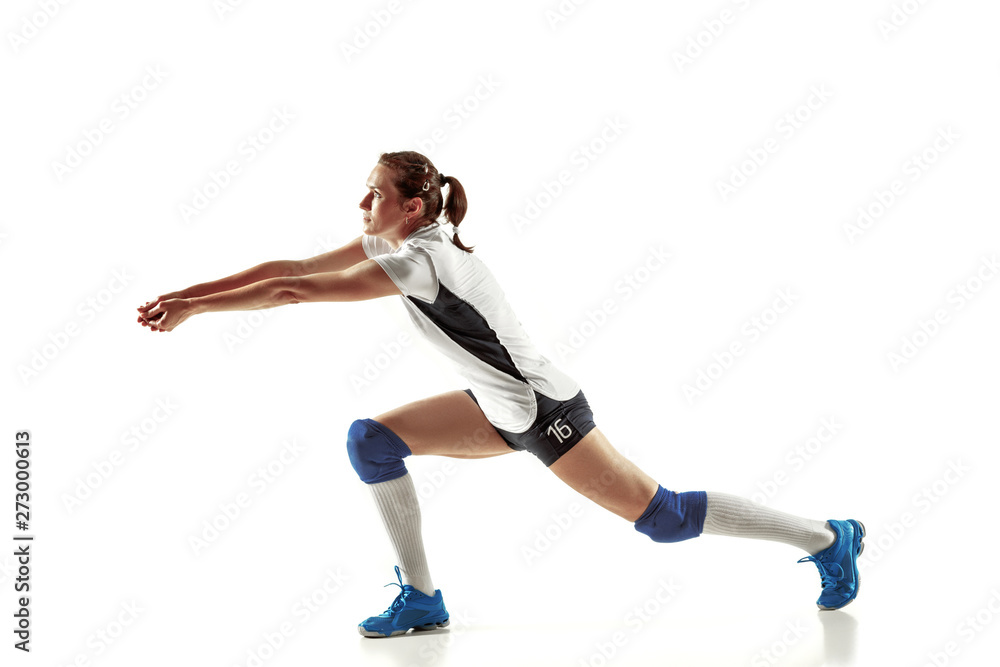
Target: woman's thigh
(600,472)
(448,424)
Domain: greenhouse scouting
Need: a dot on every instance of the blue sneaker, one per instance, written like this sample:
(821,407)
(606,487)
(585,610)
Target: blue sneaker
(410,609)
(838,564)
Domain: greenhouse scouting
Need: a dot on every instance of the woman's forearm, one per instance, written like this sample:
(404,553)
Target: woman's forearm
(256,296)
(274,269)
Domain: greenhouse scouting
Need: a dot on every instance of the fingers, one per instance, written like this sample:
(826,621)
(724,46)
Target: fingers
(148,321)
(153,314)
(149,304)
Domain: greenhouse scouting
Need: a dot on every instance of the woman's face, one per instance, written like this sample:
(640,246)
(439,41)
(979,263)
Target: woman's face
(380,209)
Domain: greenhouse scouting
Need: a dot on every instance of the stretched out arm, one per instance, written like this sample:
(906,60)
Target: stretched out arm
(272,269)
(366,280)
(336,260)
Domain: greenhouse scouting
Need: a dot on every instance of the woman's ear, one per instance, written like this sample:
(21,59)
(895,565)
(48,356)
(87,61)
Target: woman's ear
(414,206)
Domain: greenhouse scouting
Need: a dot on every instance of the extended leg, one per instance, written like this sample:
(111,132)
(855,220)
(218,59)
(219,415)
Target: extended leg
(596,469)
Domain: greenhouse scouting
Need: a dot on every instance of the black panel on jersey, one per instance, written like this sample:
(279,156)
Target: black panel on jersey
(463,324)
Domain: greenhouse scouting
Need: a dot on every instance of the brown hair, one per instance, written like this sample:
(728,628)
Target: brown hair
(411,171)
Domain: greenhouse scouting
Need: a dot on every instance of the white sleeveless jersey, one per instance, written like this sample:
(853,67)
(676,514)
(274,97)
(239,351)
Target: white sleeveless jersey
(455,303)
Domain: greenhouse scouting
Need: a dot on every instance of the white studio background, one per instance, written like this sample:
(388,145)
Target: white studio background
(652,184)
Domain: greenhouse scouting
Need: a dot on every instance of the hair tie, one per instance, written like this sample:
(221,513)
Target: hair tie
(444,179)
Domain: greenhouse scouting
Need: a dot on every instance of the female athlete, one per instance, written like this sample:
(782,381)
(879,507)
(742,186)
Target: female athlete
(517,400)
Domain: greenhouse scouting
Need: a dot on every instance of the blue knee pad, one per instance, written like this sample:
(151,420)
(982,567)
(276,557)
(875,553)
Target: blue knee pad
(672,517)
(376,452)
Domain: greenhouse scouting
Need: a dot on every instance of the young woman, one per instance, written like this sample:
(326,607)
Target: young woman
(518,399)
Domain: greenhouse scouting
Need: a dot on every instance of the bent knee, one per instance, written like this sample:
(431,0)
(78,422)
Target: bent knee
(672,516)
(375,451)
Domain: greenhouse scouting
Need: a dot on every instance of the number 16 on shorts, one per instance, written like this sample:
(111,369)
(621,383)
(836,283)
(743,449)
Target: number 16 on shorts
(560,430)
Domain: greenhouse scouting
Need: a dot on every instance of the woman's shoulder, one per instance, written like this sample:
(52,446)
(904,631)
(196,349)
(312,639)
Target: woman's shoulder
(432,237)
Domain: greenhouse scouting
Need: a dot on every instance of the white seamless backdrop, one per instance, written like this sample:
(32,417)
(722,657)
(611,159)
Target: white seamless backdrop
(762,236)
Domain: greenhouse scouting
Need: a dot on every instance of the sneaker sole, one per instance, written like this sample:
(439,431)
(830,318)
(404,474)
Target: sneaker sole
(418,628)
(432,626)
(854,563)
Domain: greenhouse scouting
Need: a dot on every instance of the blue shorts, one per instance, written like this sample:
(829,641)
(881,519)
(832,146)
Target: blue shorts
(558,426)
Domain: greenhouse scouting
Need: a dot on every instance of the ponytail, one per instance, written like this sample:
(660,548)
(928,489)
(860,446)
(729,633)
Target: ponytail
(415,176)
(455,207)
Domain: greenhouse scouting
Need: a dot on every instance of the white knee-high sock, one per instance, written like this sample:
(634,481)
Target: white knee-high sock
(740,517)
(397,504)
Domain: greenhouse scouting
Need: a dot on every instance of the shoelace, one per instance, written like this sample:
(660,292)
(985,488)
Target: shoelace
(828,579)
(400,600)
